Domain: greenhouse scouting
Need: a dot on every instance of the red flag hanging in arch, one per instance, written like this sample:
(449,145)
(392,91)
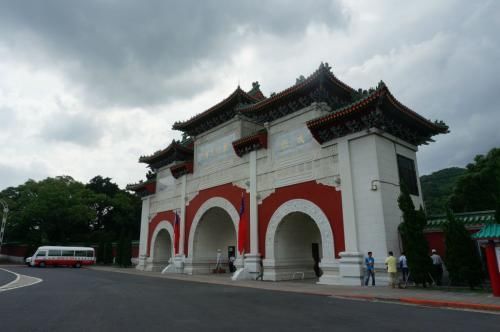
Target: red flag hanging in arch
(176,232)
(242,227)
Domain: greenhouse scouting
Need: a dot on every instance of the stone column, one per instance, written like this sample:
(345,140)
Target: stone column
(252,260)
(351,260)
(179,259)
(182,217)
(143,240)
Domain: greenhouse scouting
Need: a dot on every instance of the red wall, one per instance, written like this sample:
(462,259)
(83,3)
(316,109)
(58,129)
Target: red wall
(228,191)
(327,198)
(436,241)
(159,217)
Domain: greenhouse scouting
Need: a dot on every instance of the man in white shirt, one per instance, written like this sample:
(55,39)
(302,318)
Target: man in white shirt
(403,265)
(437,264)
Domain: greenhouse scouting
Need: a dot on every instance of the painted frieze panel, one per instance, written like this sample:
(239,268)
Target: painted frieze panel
(214,152)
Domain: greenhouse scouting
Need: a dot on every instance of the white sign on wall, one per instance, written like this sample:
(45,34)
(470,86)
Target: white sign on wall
(290,142)
(215,151)
(164,183)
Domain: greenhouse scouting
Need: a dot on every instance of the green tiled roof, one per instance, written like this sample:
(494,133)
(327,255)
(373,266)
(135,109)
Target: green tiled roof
(470,219)
(488,232)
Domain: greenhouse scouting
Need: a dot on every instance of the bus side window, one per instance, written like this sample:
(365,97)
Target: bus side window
(80,253)
(68,253)
(54,252)
(90,253)
(41,254)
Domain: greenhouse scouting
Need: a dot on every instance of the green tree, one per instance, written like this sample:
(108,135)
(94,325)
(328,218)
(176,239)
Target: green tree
(108,252)
(101,185)
(55,210)
(61,210)
(124,249)
(414,242)
(115,209)
(438,187)
(462,259)
(479,188)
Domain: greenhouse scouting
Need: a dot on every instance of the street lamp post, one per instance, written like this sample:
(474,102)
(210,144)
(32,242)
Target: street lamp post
(4,221)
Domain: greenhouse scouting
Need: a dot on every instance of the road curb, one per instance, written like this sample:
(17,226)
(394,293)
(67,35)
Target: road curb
(426,302)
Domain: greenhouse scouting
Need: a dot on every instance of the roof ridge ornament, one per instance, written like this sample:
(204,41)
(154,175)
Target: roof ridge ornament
(300,79)
(324,66)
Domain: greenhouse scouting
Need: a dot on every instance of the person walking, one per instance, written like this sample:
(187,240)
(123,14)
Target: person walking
(261,272)
(403,265)
(370,268)
(437,267)
(232,267)
(392,269)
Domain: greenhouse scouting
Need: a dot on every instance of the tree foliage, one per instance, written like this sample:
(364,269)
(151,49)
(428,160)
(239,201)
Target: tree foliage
(479,188)
(55,210)
(438,187)
(462,259)
(414,242)
(61,211)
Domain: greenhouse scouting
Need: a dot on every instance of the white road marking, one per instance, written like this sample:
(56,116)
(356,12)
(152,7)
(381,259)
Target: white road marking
(20,281)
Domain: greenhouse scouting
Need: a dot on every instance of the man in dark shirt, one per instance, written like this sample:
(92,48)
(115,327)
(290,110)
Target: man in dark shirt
(370,268)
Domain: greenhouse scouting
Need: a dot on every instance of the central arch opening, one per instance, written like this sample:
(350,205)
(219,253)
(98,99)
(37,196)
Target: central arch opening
(297,247)
(162,250)
(214,234)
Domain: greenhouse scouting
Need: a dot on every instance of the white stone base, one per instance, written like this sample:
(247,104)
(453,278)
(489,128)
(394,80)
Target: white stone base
(176,265)
(350,270)
(330,269)
(141,264)
(202,266)
(155,266)
(288,270)
(248,269)
(241,274)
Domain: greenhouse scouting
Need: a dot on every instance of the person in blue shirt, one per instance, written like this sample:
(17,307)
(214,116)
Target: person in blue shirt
(370,268)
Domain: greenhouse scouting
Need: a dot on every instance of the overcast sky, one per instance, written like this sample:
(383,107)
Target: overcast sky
(86,87)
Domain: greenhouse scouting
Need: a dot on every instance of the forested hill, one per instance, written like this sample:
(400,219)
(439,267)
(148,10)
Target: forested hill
(438,187)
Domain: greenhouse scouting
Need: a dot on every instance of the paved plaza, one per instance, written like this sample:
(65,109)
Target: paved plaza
(95,299)
(444,297)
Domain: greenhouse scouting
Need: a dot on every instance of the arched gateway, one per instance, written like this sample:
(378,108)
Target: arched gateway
(214,227)
(291,146)
(161,247)
(298,238)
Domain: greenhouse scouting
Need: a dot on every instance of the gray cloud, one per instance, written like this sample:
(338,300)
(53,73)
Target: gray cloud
(129,52)
(123,69)
(14,176)
(7,118)
(78,129)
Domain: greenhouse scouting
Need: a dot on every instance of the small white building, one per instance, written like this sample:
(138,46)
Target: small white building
(317,167)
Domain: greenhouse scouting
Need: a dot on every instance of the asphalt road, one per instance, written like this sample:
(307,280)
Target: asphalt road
(6,277)
(88,300)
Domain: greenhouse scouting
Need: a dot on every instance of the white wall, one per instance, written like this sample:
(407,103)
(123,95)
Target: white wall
(367,203)
(377,214)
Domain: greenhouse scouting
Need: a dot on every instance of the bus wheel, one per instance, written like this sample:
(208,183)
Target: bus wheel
(78,265)
(42,264)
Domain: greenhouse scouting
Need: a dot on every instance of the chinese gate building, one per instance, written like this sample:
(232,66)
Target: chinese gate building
(317,168)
